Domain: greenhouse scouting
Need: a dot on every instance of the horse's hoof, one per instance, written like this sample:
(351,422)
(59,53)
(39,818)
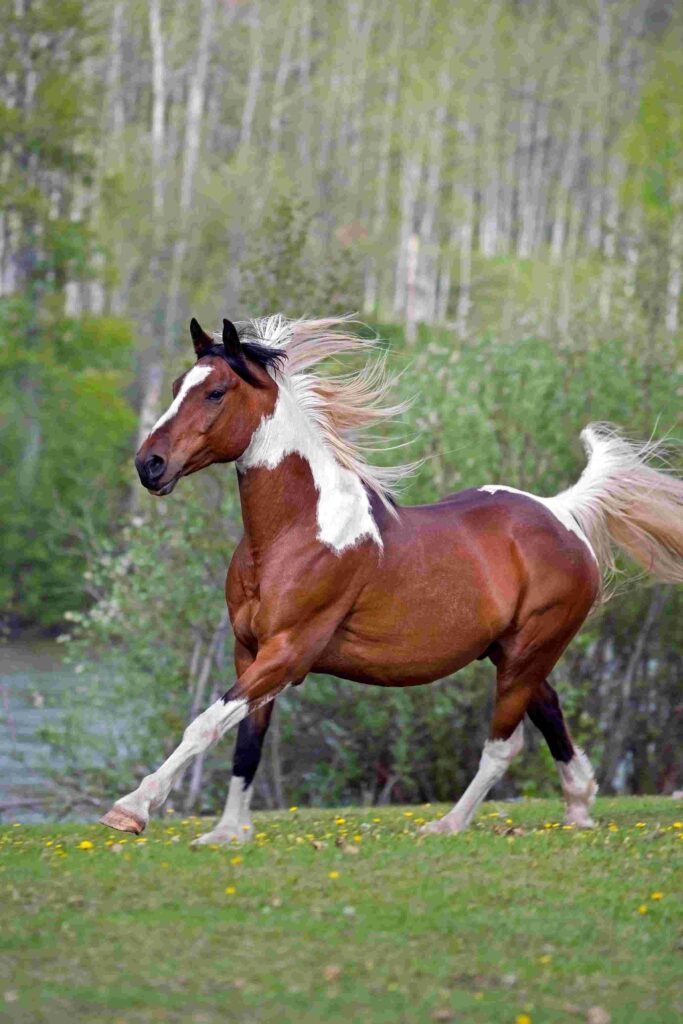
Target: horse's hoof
(442,826)
(225,836)
(123,820)
(579,821)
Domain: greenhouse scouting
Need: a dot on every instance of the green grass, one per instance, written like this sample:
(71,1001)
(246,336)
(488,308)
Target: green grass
(512,918)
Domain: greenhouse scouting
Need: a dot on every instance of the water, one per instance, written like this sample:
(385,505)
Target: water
(32,682)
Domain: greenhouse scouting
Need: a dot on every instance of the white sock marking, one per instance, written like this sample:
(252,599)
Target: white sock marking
(343,511)
(194,377)
(495,760)
(201,734)
(579,788)
(235,821)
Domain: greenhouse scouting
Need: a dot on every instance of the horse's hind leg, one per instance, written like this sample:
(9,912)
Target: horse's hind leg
(235,825)
(514,690)
(520,673)
(576,774)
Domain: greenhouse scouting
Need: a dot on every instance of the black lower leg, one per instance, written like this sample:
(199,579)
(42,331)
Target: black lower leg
(250,736)
(546,714)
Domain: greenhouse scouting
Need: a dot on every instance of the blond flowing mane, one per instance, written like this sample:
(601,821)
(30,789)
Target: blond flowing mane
(344,407)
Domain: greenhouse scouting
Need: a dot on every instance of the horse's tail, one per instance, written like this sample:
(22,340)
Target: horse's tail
(622,499)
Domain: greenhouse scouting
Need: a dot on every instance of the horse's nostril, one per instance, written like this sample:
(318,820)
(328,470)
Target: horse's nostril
(155,466)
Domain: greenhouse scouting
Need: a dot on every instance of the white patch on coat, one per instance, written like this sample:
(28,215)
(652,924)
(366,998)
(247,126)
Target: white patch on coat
(235,821)
(343,512)
(495,760)
(559,508)
(191,379)
(579,788)
(200,734)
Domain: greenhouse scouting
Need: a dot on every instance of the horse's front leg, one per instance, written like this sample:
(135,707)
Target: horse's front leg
(278,662)
(235,825)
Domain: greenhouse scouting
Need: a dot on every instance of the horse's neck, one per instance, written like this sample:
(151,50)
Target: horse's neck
(288,473)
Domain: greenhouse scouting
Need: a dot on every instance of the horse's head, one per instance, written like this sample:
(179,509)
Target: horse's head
(217,405)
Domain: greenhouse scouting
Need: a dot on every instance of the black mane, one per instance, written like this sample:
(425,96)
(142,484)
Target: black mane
(250,351)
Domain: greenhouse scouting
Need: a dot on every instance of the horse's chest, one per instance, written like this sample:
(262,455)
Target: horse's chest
(244,622)
(244,601)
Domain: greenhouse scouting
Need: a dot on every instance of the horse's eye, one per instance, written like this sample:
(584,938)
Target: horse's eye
(214,396)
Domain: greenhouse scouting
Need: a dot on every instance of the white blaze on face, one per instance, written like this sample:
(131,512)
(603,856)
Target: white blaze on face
(195,376)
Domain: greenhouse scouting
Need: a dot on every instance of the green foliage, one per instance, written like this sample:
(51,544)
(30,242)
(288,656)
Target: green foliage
(65,430)
(64,416)
(157,597)
(283,272)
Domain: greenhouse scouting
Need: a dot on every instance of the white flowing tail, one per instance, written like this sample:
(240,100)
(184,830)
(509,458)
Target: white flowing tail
(622,499)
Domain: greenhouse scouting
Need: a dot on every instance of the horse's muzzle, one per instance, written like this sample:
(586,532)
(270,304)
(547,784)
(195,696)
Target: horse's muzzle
(151,469)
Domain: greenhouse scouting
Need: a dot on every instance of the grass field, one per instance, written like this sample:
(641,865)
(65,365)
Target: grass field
(349,916)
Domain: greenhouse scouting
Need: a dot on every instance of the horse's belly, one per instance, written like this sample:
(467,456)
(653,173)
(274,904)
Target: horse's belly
(394,660)
(421,618)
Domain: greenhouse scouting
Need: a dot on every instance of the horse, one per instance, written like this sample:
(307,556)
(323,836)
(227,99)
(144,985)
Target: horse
(332,575)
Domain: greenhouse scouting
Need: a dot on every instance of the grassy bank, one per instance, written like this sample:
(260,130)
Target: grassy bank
(349,917)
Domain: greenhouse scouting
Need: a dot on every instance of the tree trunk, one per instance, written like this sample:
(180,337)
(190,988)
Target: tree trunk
(615,174)
(158,111)
(279,86)
(195,106)
(568,170)
(255,70)
(620,730)
(410,181)
(372,298)
(675,278)
(427,266)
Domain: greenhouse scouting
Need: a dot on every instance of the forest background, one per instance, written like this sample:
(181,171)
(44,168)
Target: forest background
(496,189)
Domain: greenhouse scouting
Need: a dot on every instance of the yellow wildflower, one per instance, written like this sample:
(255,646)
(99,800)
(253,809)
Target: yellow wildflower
(522,1018)
(85,845)
(235,860)
(333,874)
(642,909)
(230,890)
(294,808)
(656,895)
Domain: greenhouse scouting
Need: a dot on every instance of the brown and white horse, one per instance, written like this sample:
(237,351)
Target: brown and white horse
(332,576)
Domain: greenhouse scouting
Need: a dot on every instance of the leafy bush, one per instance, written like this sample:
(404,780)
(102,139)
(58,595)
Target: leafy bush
(66,427)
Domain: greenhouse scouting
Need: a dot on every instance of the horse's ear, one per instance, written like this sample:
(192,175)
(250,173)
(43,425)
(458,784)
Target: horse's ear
(231,339)
(200,339)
